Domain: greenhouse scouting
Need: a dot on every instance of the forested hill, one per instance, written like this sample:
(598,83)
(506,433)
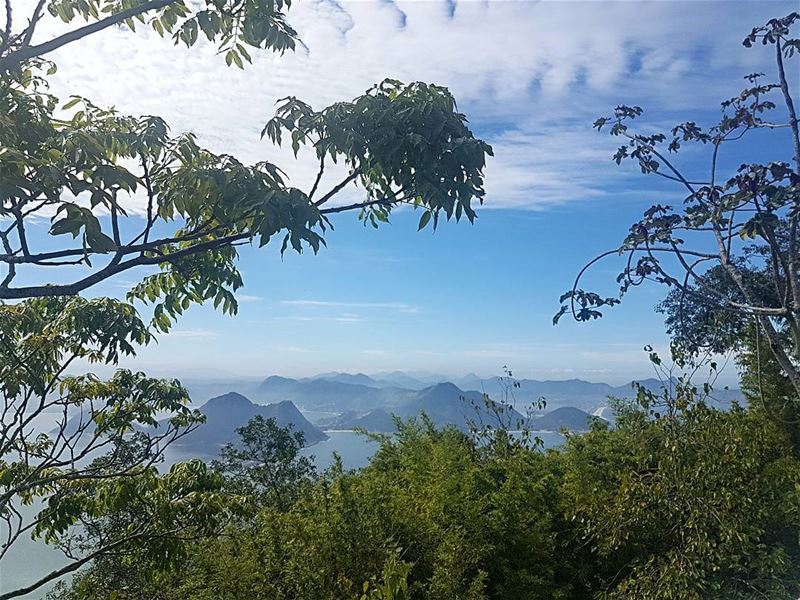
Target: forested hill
(224,414)
(443,403)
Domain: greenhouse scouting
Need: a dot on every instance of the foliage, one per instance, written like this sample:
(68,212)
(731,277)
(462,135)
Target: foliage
(213,202)
(394,585)
(767,388)
(696,326)
(730,253)
(403,143)
(686,502)
(265,463)
(231,24)
(426,514)
(497,424)
(701,504)
(101,457)
(142,524)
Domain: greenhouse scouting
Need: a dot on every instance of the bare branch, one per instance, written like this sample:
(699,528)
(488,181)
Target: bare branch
(7,32)
(336,189)
(787,97)
(37,14)
(319,177)
(113,268)
(358,205)
(74,566)
(12,269)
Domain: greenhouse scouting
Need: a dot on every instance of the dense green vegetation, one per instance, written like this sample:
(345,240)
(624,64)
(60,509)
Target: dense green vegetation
(705,505)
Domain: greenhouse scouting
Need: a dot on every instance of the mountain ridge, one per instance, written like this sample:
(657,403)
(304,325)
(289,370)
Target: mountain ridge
(225,413)
(342,392)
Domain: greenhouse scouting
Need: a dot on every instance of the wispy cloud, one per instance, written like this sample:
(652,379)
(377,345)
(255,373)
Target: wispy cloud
(342,318)
(191,333)
(124,284)
(348,318)
(548,166)
(398,306)
(532,85)
(248,298)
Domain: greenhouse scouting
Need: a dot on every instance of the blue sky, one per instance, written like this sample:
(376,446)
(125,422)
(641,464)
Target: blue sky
(531,76)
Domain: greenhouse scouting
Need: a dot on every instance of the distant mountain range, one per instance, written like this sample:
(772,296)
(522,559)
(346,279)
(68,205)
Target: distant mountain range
(338,401)
(565,417)
(224,414)
(341,392)
(357,400)
(331,395)
(443,403)
(439,405)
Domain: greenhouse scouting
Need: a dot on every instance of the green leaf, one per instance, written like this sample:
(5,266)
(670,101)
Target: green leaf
(71,103)
(100,242)
(424,220)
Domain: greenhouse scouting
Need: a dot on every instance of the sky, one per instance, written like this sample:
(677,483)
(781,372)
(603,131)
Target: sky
(531,77)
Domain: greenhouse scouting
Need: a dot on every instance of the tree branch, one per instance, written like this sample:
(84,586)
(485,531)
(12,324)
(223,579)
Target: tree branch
(15,58)
(338,209)
(37,14)
(70,567)
(12,268)
(787,97)
(7,31)
(113,268)
(338,188)
(319,176)
(794,281)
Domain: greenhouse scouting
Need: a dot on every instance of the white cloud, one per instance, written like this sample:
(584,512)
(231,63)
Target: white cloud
(248,298)
(347,318)
(405,308)
(125,284)
(189,333)
(537,73)
(546,167)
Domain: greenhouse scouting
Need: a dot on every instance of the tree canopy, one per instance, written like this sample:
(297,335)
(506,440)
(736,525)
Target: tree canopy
(700,506)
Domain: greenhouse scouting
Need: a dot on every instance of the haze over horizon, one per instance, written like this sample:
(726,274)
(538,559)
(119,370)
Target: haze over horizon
(467,381)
